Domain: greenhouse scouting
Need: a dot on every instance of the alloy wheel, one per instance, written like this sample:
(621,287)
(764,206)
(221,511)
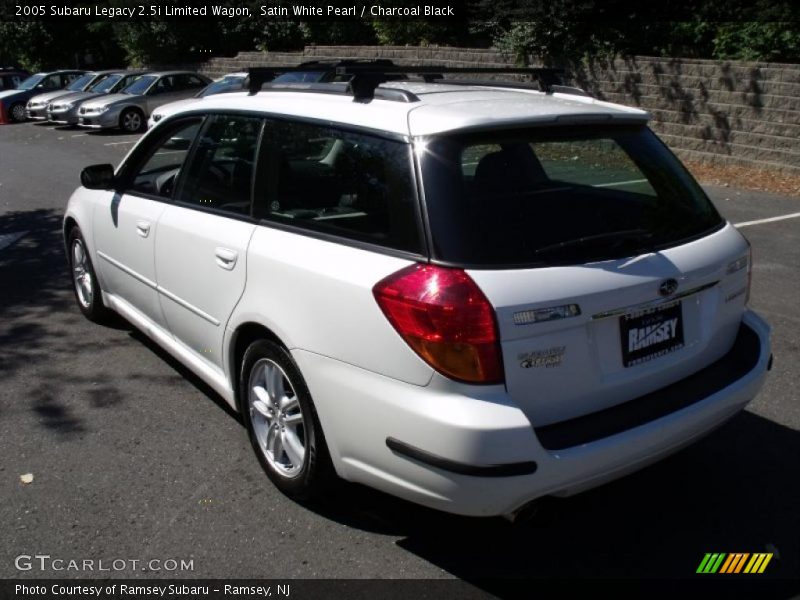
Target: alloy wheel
(277,418)
(81,274)
(132,121)
(18,112)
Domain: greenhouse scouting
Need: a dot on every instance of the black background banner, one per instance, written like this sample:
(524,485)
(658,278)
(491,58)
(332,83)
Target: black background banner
(701,586)
(618,11)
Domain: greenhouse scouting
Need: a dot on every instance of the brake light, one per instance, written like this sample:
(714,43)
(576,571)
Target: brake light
(446,319)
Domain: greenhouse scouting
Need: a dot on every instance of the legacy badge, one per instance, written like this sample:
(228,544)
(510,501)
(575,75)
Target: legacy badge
(551,357)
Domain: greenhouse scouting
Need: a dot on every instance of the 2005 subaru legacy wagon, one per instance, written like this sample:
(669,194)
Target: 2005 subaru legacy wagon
(466,295)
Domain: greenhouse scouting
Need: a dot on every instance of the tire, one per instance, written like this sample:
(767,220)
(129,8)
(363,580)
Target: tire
(17,113)
(84,281)
(131,120)
(280,416)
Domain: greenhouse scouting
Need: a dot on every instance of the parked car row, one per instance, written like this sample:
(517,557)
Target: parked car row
(13,101)
(108,99)
(125,99)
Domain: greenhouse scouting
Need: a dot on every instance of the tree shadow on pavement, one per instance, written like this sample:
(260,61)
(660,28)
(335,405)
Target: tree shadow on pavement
(37,309)
(35,285)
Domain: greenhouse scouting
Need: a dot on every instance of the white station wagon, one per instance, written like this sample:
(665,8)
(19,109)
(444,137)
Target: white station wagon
(469,295)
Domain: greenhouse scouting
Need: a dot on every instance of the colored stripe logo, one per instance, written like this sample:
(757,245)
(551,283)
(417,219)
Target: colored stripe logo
(736,562)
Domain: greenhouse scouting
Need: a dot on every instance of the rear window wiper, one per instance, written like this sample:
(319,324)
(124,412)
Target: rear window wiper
(624,235)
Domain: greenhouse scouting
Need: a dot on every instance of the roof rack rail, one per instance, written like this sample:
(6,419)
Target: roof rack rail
(524,85)
(364,76)
(258,76)
(342,88)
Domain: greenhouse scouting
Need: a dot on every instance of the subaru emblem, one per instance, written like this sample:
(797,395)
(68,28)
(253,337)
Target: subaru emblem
(668,287)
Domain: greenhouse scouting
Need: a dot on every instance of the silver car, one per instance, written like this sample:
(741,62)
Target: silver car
(64,109)
(36,109)
(130,108)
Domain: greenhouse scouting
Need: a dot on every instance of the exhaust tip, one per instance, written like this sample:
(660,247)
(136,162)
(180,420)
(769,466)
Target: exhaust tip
(525,514)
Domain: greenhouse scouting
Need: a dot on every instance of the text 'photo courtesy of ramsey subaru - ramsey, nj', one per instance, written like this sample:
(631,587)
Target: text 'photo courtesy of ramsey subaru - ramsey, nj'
(467,294)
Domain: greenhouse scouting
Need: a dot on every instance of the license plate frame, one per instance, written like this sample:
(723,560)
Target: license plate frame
(651,333)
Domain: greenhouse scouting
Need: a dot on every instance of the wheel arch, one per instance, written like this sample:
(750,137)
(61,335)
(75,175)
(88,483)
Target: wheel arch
(244,335)
(134,107)
(69,223)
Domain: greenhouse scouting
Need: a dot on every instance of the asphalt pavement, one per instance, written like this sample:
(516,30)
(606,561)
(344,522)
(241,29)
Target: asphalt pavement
(134,458)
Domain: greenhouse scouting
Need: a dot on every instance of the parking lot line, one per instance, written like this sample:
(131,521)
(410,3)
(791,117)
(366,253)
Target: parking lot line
(118,143)
(769,220)
(613,183)
(79,134)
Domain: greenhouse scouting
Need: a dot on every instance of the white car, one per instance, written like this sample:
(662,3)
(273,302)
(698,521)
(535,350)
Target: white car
(470,296)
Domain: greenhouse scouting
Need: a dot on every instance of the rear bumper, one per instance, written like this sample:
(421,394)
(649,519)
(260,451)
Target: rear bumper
(438,445)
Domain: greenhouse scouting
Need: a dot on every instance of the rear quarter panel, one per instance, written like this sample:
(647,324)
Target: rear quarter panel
(316,296)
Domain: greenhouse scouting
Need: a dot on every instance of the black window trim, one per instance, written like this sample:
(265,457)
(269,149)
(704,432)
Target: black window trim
(343,241)
(173,123)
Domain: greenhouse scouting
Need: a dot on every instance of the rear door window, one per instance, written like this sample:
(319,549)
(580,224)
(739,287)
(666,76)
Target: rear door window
(165,85)
(190,82)
(352,185)
(68,78)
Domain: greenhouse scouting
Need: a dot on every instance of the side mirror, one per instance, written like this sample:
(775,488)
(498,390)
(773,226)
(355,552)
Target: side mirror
(98,177)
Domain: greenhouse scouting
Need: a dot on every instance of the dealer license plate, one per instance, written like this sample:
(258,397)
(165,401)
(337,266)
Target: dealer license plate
(651,333)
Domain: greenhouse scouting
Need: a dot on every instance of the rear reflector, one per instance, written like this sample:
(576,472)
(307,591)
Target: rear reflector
(445,317)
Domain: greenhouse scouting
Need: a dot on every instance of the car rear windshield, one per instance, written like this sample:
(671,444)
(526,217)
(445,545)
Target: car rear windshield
(140,86)
(558,195)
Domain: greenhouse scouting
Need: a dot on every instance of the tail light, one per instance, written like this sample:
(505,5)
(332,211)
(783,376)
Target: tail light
(446,319)
(737,265)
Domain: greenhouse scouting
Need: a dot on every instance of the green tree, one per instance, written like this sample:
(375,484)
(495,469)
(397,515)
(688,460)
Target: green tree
(167,42)
(767,41)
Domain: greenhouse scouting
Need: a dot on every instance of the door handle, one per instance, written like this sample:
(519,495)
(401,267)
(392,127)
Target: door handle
(226,258)
(143,228)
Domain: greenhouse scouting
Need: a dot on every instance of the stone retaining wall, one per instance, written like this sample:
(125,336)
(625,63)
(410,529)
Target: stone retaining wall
(723,112)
